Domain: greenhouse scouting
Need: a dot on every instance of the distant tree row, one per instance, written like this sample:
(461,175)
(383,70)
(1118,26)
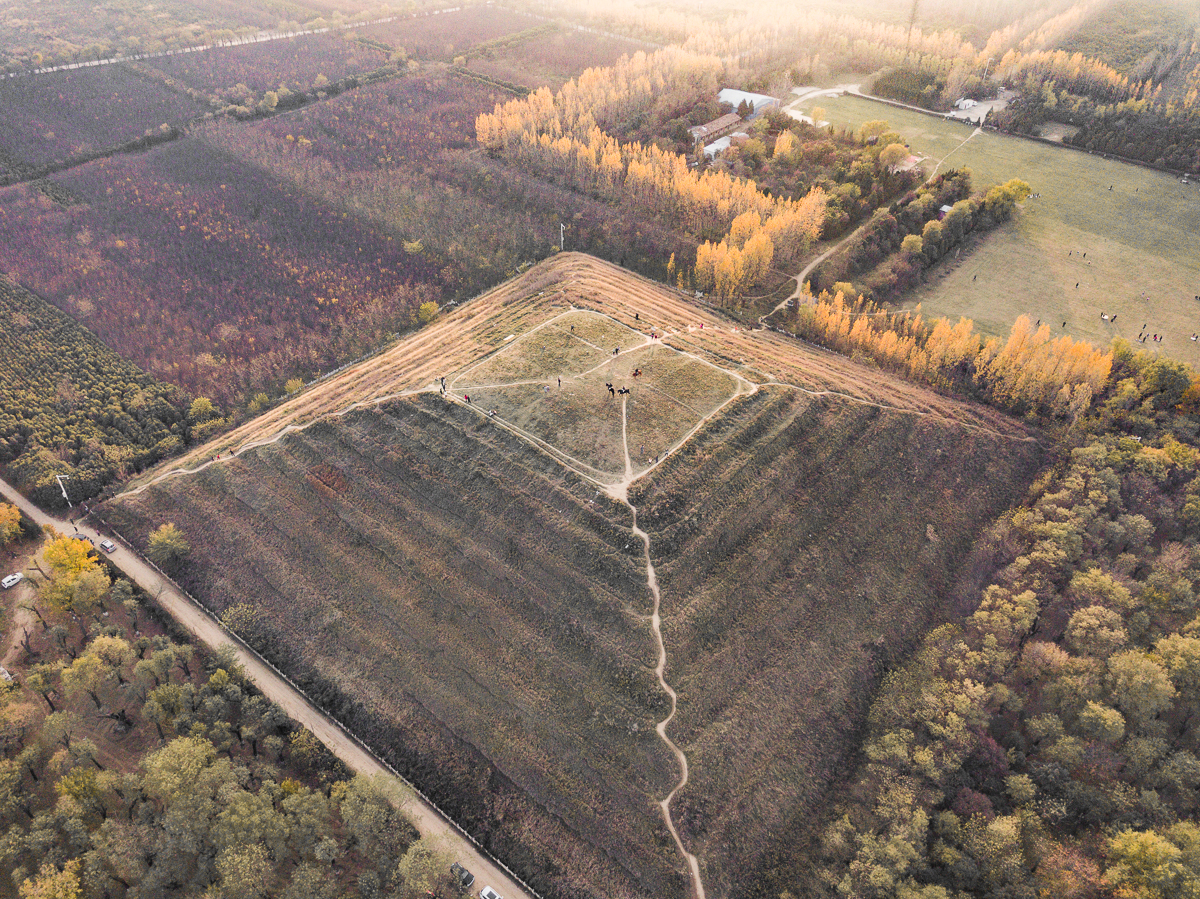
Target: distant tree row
(1143,128)
(105,33)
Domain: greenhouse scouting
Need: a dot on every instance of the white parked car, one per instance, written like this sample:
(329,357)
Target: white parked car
(489,893)
(108,546)
(12,580)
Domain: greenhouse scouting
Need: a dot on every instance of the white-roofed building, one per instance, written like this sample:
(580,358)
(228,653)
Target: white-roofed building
(735,98)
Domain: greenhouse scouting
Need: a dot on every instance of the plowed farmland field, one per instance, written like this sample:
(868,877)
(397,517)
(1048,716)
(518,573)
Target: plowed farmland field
(466,583)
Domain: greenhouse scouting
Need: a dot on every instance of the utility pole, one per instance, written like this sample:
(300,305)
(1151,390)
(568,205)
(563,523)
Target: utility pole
(60,478)
(912,20)
(562,234)
(985,68)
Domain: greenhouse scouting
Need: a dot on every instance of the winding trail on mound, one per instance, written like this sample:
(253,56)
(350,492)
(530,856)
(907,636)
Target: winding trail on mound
(620,491)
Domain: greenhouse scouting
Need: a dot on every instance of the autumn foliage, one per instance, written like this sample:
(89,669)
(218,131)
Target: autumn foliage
(556,136)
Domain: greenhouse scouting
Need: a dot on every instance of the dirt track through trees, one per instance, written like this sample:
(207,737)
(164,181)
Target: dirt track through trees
(808,269)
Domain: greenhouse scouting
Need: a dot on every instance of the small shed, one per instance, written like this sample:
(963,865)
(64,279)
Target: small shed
(944,211)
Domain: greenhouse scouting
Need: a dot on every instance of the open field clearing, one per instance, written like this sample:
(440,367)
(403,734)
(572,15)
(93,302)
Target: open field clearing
(1139,237)
(424,565)
(447,34)
(460,338)
(50,118)
(208,272)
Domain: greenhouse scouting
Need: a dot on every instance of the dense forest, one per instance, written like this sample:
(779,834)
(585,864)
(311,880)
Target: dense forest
(74,408)
(1163,135)
(134,764)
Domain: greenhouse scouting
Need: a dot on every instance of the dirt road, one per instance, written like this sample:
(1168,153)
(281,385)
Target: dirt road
(424,816)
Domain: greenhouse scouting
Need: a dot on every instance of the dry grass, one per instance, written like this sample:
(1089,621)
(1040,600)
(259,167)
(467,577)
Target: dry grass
(552,383)
(462,337)
(444,572)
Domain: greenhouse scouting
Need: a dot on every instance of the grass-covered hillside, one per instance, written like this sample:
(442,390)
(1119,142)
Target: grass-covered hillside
(480,611)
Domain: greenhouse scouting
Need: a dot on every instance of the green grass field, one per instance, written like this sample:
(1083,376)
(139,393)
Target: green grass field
(1139,238)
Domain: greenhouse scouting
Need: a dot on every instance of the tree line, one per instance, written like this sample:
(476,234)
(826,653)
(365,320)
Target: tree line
(890,254)
(1165,134)
(1029,373)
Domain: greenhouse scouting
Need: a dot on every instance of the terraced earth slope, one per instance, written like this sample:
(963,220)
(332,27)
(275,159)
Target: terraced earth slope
(468,592)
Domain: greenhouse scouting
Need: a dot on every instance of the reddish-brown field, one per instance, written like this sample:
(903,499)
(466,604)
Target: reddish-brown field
(207,271)
(482,610)
(552,59)
(402,155)
(294,63)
